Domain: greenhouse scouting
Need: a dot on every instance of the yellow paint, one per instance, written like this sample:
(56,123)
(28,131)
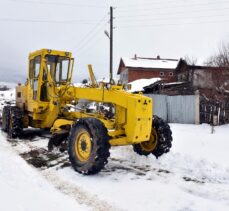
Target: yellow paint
(83,145)
(92,76)
(59,124)
(150,145)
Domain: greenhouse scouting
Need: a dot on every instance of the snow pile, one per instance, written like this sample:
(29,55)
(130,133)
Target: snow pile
(6,97)
(138,85)
(80,85)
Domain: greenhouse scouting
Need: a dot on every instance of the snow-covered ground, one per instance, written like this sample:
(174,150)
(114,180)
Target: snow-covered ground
(194,175)
(23,188)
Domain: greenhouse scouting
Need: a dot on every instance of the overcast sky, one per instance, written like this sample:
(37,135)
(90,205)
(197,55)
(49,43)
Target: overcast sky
(169,28)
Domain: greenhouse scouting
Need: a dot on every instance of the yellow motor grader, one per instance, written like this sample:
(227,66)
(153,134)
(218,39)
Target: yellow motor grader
(49,100)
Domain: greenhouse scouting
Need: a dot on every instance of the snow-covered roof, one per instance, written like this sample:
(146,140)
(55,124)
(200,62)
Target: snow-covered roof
(156,63)
(137,85)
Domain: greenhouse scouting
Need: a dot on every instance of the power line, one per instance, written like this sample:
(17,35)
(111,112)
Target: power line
(91,33)
(162,2)
(48,21)
(90,38)
(172,24)
(173,18)
(149,3)
(96,39)
(171,7)
(172,13)
(60,4)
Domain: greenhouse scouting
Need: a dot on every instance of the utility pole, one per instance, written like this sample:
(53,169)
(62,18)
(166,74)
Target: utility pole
(111,44)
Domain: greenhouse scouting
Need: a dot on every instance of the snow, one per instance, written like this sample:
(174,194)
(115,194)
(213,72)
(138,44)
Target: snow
(193,176)
(150,63)
(23,188)
(133,182)
(175,83)
(6,96)
(138,85)
(81,85)
(107,80)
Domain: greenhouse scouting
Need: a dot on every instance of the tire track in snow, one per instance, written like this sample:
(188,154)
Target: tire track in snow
(66,187)
(77,193)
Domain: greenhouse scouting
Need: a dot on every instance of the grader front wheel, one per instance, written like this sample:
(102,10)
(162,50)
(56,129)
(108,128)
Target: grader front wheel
(160,139)
(147,147)
(88,146)
(83,145)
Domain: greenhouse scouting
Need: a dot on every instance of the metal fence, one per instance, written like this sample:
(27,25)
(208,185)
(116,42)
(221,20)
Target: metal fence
(176,109)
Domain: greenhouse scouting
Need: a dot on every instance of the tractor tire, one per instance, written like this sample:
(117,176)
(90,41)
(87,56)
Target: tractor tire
(15,127)
(5,118)
(88,146)
(161,141)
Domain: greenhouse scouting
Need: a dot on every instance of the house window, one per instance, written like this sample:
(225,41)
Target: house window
(170,73)
(162,73)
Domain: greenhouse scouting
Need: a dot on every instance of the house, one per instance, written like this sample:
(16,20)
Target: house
(131,69)
(206,77)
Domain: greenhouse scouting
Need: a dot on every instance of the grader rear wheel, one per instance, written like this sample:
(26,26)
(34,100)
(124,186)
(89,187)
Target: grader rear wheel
(5,118)
(160,139)
(88,146)
(15,125)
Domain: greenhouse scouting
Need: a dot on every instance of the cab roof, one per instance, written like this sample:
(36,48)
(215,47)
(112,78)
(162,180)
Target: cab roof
(50,52)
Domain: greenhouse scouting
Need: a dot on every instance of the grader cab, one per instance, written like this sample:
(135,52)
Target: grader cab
(50,100)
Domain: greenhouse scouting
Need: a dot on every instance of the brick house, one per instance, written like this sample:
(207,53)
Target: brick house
(131,69)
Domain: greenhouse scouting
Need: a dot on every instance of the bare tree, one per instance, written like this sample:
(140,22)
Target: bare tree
(191,60)
(221,58)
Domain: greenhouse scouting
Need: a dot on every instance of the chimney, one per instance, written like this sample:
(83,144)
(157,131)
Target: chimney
(135,56)
(158,57)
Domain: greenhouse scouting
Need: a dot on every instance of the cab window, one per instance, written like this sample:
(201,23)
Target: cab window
(58,66)
(34,70)
(37,66)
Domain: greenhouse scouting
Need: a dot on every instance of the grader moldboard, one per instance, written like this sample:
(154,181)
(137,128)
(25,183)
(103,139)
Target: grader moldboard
(120,118)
